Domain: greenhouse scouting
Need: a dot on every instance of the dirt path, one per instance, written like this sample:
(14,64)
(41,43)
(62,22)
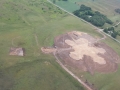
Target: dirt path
(73,75)
(13,41)
(104,36)
(59,50)
(63,49)
(43,18)
(116,24)
(36,39)
(25,20)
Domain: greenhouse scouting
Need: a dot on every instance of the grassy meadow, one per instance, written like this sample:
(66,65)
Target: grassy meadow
(101,81)
(23,24)
(32,24)
(106,7)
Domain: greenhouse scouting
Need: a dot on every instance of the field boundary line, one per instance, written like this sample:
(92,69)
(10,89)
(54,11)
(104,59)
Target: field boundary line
(13,44)
(37,43)
(73,75)
(36,39)
(116,24)
(84,21)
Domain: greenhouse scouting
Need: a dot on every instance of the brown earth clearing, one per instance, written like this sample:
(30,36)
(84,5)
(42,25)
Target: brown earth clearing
(82,51)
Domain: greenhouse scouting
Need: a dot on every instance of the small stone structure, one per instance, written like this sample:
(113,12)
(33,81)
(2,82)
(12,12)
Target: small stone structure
(18,51)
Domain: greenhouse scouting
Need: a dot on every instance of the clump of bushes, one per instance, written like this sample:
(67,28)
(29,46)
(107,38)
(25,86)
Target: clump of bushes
(117,10)
(94,17)
(111,32)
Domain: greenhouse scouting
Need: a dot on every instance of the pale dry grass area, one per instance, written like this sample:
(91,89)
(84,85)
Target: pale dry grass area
(82,47)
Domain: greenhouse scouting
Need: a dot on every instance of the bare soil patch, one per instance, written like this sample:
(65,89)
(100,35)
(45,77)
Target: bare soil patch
(16,51)
(80,50)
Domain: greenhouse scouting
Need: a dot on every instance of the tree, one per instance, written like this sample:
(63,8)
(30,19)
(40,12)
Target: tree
(84,8)
(111,29)
(95,17)
(54,1)
(65,0)
(117,10)
(114,34)
(106,30)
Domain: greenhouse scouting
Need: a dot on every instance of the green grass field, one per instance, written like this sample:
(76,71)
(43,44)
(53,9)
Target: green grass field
(101,81)
(20,22)
(104,6)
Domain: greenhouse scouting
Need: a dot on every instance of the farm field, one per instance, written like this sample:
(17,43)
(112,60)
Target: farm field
(29,25)
(103,81)
(97,5)
(118,29)
(103,6)
(32,24)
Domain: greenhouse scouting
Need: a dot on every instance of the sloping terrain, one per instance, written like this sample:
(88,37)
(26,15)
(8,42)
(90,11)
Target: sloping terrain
(80,50)
(31,24)
(27,24)
(105,7)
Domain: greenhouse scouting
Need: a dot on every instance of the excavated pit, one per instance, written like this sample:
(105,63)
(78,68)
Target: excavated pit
(82,51)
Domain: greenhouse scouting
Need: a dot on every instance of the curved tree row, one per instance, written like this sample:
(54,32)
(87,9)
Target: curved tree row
(94,17)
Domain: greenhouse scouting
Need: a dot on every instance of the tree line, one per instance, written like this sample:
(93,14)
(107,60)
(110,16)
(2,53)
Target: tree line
(117,10)
(94,17)
(111,31)
(54,1)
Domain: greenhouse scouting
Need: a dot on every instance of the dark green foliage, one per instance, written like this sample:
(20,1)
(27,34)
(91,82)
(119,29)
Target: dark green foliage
(114,34)
(65,0)
(117,10)
(62,0)
(106,30)
(119,33)
(109,21)
(111,31)
(96,18)
(54,1)
(84,8)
